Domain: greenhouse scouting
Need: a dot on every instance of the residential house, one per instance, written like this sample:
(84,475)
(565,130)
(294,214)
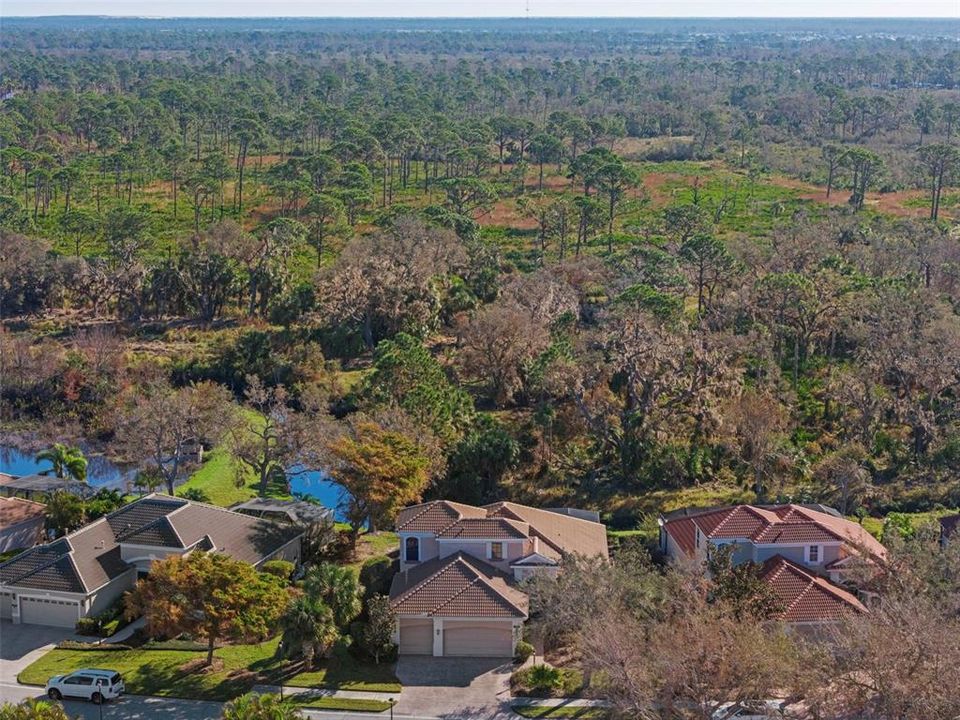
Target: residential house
(948,526)
(83,573)
(456,593)
(21,523)
(811,556)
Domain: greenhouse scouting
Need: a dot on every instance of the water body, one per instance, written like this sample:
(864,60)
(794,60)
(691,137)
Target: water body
(101,472)
(317,485)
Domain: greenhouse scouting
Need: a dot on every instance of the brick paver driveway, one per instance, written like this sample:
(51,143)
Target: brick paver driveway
(462,688)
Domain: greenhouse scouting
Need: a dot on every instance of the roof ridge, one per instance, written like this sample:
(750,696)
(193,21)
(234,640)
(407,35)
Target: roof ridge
(482,578)
(458,557)
(426,508)
(49,564)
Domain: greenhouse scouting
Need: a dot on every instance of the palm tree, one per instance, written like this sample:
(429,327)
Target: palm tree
(260,707)
(308,630)
(33,710)
(66,461)
(338,588)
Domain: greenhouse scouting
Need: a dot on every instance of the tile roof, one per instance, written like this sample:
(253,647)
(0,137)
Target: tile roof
(807,597)
(15,510)
(456,586)
(90,557)
(561,532)
(564,533)
(486,529)
(435,516)
(782,524)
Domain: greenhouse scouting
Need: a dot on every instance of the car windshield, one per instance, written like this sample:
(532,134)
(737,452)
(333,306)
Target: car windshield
(115,678)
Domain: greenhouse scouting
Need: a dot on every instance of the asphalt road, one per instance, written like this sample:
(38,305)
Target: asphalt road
(137,707)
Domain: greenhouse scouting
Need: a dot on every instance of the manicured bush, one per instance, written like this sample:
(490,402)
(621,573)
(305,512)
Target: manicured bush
(546,681)
(524,651)
(282,569)
(87,626)
(75,645)
(376,575)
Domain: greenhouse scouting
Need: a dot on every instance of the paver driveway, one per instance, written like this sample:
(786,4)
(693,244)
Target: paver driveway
(20,645)
(463,688)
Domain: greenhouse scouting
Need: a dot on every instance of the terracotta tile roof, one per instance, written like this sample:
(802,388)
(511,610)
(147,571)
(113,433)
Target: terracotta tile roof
(487,529)
(949,525)
(15,510)
(807,597)
(456,586)
(435,516)
(782,524)
(90,557)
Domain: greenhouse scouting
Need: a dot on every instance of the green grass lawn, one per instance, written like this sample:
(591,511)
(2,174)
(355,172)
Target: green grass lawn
(569,711)
(348,704)
(874,526)
(240,667)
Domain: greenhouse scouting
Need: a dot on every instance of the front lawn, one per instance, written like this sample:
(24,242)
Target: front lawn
(237,669)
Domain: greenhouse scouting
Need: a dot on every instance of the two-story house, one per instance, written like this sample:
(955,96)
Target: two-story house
(809,555)
(456,593)
(83,573)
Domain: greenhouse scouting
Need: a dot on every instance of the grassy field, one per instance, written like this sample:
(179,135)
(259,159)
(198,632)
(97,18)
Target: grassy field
(237,669)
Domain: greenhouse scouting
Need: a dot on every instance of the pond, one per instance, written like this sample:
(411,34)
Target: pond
(101,472)
(317,485)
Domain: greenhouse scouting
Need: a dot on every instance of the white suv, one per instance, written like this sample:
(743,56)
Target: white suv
(94,685)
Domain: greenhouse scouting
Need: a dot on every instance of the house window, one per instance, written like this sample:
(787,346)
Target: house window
(412,547)
(813,554)
(496,551)
(698,537)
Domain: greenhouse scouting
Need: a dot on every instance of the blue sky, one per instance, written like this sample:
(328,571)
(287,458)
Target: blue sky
(487,8)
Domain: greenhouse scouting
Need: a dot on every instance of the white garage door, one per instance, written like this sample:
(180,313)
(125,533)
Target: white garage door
(477,639)
(416,636)
(5,611)
(59,613)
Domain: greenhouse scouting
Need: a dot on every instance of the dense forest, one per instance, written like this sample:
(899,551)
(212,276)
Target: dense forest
(627,265)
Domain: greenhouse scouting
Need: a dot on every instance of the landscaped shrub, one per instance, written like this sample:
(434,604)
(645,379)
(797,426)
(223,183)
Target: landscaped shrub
(546,681)
(282,569)
(76,645)
(524,651)
(87,626)
(376,575)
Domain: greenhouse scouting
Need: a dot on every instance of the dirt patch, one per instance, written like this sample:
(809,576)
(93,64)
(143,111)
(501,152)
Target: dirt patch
(902,203)
(199,666)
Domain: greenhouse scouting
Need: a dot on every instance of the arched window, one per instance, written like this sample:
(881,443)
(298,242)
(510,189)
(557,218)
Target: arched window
(413,549)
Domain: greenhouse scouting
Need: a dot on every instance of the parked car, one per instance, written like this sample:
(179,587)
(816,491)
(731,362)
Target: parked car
(88,684)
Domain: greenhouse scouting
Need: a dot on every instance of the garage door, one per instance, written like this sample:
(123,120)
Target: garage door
(60,613)
(416,637)
(477,639)
(5,611)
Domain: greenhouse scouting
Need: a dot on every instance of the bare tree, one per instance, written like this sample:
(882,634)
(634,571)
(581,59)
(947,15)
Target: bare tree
(165,429)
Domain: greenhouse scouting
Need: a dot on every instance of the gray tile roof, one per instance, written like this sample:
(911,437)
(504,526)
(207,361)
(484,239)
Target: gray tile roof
(90,557)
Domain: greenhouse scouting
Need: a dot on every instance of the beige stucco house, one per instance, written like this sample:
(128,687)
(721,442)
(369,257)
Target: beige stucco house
(83,573)
(456,593)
